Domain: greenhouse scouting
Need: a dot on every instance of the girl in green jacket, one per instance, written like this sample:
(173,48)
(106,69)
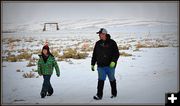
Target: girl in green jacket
(46,65)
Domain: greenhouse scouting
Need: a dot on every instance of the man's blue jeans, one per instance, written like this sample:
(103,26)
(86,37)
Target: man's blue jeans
(103,71)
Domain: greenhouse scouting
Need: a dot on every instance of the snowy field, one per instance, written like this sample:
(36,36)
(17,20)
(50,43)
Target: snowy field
(142,78)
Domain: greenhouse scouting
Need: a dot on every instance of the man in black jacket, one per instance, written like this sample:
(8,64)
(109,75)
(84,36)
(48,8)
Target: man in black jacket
(105,54)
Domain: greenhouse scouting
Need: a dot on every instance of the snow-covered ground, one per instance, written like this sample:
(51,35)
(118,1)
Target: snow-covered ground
(117,24)
(142,78)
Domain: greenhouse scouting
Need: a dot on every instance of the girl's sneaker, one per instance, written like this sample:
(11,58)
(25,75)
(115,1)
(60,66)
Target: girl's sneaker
(43,94)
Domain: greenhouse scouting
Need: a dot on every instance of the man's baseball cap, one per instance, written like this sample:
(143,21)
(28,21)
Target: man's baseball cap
(102,30)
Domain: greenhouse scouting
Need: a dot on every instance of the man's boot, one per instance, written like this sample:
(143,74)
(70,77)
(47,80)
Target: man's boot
(99,90)
(113,89)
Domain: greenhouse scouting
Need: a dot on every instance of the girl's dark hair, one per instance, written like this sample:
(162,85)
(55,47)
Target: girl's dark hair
(48,51)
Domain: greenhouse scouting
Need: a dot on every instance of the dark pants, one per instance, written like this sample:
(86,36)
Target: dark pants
(102,73)
(46,87)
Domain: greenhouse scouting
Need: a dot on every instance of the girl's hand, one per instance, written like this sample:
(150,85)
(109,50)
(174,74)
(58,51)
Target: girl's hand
(58,75)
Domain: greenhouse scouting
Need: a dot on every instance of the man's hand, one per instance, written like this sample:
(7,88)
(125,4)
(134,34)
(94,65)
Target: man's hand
(112,64)
(92,67)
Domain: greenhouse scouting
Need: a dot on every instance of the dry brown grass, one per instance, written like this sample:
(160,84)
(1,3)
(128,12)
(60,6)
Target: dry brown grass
(55,53)
(29,75)
(24,55)
(150,45)
(124,47)
(72,53)
(137,49)
(125,54)
(86,47)
(31,63)
(12,58)
(10,40)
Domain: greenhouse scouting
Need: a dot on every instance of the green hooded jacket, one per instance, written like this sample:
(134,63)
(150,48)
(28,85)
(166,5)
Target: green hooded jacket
(47,68)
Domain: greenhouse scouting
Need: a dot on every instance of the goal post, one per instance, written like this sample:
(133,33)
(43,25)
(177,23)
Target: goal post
(45,26)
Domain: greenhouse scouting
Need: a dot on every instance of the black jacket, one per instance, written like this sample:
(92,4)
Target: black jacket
(105,52)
